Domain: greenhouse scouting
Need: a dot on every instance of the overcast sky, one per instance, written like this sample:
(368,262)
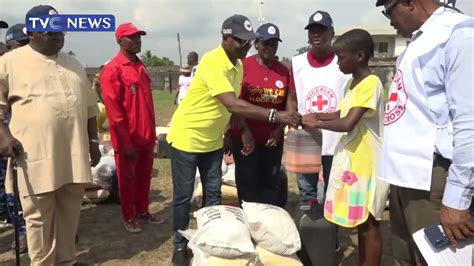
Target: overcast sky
(198,22)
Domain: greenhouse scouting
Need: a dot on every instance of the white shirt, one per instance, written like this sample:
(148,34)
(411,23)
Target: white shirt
(183,86)
(446,79)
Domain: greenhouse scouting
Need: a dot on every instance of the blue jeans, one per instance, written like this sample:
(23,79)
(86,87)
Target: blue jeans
(3,197)
(308,183)
(3,172)
(183,170)
(6,202)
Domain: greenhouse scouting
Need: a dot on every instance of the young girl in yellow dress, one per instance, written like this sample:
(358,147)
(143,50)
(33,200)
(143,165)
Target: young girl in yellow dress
(355,197)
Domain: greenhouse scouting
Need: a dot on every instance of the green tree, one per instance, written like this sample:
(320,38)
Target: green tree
(151,60)
(165,61)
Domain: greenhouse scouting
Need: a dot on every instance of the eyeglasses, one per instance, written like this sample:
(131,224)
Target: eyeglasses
(242,42)
(389,8)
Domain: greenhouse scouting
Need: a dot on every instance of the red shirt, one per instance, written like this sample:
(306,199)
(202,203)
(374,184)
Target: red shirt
(265,87)
(314,62)
(126,89)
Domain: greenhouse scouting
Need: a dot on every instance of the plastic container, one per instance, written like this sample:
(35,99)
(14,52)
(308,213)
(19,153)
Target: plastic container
(318,237)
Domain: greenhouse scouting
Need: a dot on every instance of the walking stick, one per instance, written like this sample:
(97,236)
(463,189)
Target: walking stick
(16,221)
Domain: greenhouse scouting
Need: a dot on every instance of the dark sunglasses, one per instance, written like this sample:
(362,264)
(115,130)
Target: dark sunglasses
(389,8)
(242,42)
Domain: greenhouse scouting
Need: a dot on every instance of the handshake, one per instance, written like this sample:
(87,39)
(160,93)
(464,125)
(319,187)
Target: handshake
(291,118)
(295,119)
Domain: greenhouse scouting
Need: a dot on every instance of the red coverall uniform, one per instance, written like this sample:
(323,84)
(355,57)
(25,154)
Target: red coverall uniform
(128,100)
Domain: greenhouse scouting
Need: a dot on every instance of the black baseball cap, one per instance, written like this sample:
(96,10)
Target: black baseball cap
(320,17)
(240,27)
(17,33)
(41,10)
(268,31)
(3,24)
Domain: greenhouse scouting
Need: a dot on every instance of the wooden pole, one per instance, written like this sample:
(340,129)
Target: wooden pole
(179,49)
(169,81)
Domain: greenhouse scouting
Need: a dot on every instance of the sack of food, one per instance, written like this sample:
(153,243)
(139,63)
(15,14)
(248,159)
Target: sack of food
(272,228)
(223,232)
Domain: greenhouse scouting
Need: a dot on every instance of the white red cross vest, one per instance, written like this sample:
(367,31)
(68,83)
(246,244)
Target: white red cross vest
(319,90)
(410,128)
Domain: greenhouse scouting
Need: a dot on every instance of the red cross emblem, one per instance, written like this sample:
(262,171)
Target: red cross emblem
(320,99)
(393,97)
(397,100)
(320,103)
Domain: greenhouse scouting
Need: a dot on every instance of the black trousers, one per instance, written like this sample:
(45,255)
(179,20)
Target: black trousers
(256,175)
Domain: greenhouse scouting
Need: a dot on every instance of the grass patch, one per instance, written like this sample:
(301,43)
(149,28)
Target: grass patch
(164,106)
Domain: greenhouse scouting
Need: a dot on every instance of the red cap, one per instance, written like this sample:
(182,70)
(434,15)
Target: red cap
(127,29)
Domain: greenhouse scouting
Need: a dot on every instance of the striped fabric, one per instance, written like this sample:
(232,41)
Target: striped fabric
(303,153)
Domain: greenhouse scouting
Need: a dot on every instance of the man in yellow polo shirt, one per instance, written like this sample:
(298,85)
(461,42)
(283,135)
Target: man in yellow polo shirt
(198,124)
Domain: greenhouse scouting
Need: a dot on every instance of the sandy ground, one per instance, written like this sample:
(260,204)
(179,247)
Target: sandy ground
(104,241)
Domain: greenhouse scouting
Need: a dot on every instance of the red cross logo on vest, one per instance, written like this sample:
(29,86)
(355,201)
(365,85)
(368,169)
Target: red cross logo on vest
(320,103)
(321,100)
(393,97)
(397,100)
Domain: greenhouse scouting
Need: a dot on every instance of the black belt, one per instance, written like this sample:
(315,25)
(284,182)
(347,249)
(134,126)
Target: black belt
(439,160)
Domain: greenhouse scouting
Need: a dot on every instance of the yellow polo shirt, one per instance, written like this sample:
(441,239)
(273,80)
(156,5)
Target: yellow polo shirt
(199,122)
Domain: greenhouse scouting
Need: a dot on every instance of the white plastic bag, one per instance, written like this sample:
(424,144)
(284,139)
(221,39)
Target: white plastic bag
(201,258)
(99,190)
(272,228)
(222,231)
(102,173)
(229,177)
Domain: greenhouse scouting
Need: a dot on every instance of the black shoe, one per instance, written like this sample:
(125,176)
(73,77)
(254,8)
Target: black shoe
(180,257)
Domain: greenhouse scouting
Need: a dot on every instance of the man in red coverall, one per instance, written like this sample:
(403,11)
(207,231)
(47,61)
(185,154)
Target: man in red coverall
(126,91)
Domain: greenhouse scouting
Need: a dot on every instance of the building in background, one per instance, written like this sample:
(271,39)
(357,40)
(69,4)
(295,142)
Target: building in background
(388,44)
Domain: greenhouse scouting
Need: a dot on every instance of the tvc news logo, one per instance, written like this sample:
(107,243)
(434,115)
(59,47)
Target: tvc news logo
(64,23)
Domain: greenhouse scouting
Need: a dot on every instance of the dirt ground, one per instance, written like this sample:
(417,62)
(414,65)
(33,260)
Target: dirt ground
(104,241)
